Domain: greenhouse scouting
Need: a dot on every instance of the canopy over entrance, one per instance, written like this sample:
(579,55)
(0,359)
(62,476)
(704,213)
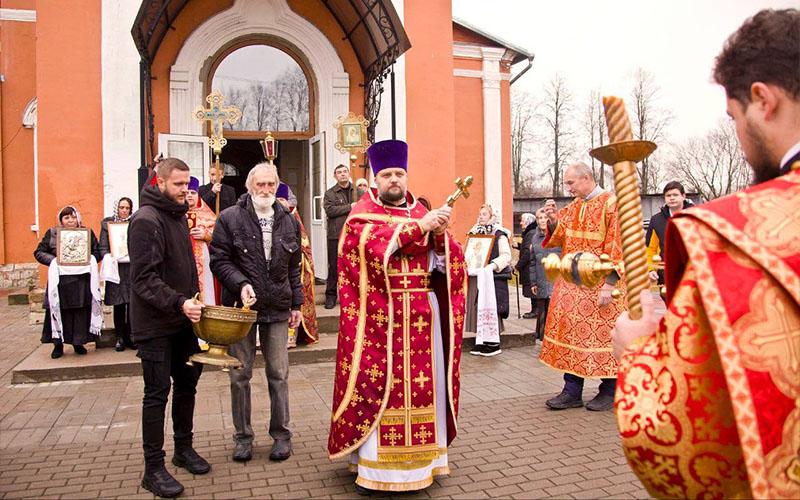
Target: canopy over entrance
(372,27)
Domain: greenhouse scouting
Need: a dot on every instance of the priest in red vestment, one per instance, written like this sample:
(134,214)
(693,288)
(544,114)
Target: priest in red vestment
(402,286)
(708,400)
(201,221)
(577,336)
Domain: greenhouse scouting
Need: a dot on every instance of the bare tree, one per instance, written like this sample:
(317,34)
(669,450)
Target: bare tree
(555,111)
(594,124)
(523,112)
(649,123)
(712,165)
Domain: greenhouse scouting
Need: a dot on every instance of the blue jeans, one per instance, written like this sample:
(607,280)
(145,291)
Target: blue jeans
(573,385)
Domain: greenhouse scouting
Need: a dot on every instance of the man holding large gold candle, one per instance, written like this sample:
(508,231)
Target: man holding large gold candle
(577,337)
(709,397)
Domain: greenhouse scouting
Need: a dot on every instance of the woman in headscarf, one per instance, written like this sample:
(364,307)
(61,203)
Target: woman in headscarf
(72,298)
(118,286)
(528,224)
(495,275)
(201,228)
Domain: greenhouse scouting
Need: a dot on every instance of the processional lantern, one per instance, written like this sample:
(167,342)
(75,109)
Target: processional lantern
(270,147)
(216,114)
(352,139)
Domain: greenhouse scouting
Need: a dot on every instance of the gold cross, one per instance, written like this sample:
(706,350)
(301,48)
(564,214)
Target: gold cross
(392,436)
(351,311)
(374,373)
(215,114)
(405,281)
(463,187)
(376,264)
(420,324)
(395,381)
(363,427)
(345,366)
(423,435)
(380,318)
(421,379)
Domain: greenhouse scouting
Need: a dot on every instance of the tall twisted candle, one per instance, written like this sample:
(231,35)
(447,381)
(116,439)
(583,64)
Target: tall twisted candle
(629,207)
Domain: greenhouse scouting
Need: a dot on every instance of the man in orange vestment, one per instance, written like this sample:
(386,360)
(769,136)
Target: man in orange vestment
(402,284)
(708,402)
(201,221)
(577,336)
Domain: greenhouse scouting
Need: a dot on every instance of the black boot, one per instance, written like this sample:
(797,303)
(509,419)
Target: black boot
(157,480)
(191,461)
(58,350)
(120,346)
(79,349)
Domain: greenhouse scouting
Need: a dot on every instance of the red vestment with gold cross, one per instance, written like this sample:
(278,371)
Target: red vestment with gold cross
(307,331)
(709,405)
(385,376)
(577,336)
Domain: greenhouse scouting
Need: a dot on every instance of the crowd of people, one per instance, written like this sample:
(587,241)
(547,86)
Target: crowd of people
(707,398)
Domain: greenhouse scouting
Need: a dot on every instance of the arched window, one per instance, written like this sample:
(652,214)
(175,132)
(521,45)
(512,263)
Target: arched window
(269,86)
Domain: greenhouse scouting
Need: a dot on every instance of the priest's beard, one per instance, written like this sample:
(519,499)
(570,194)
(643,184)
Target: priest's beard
(763,168)
(262,202)
(393,195)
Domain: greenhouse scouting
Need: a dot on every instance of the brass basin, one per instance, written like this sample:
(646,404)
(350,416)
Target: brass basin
(220,327)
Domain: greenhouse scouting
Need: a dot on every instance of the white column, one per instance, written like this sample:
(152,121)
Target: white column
(492,127)
(120,102)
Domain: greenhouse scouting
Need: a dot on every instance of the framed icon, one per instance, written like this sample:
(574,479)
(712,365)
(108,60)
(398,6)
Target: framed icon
(73,246)
(352,133)
(478,250)
(118,239)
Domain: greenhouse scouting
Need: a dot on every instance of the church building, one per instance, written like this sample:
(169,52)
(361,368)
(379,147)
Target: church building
(92,90)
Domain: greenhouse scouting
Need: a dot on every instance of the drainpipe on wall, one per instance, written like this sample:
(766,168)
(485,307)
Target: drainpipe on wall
(526,68)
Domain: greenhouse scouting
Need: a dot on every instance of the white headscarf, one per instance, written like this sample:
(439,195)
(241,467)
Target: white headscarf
(77,215)
(117,218)
(490,227)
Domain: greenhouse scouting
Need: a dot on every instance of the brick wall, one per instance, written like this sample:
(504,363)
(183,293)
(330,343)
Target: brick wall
(18,275)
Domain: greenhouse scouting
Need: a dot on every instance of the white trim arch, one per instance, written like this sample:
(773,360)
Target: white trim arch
(276,19)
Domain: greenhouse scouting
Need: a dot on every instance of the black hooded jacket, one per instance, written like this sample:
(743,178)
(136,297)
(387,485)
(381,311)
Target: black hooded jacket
(163,272)
(655,231)
(237,258)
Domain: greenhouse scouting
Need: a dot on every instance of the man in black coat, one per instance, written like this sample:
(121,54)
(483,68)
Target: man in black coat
(208,192)
(338,202)
(255,254)
(163,282)
(674,201)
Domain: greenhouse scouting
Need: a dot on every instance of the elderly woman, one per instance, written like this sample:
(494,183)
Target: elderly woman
(487,340)
(541,289)
(73,292)
(527,221)
(119,294)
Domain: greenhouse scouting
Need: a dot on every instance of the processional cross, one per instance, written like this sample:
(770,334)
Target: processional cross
(463,189)
(216,114)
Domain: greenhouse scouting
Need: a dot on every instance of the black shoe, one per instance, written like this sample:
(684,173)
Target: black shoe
(491,350)
(161,482)
(191,461)
(330,304)
(529,315)
(564,401)
(243,452)
(477,350)
(601,402)
(58,351)
(364,491)
(281,449)
(79,349)
(131,346)
(120,346)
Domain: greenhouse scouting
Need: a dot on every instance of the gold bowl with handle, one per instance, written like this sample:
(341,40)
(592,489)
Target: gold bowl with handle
(222,326)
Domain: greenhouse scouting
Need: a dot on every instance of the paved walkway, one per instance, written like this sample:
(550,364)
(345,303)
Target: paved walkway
(82,439)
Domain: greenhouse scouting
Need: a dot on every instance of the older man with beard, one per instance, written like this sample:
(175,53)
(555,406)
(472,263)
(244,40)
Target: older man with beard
(255,254)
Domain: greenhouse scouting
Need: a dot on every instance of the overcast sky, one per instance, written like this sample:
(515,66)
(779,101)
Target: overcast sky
(600,43)
(252,63)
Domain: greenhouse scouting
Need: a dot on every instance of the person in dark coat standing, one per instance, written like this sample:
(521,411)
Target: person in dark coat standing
(674,201)
(118,295)
(528,223)
(338,202)
(74,291)
(540,287)
(163,284)
(209,192)
(255,254)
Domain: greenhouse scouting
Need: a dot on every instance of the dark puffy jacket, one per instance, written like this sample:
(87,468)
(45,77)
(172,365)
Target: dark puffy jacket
(227,196)
(655,234)
(163,272)
(237,258)
(544,287)
(337,207)
(524,261)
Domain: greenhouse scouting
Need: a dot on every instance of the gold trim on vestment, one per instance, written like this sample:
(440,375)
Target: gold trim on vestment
(410,290)
(588,235)
(608,375)
(392,219)
(355,363)
(576,348)
(412,486)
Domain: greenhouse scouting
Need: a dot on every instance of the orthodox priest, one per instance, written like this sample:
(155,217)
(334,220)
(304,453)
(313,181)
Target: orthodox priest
(708,402)
(402,284)
(577,337)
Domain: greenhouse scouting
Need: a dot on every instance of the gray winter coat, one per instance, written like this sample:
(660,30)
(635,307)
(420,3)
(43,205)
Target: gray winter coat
(544,288)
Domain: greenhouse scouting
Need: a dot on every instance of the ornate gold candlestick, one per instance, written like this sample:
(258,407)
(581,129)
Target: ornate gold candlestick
(621,154)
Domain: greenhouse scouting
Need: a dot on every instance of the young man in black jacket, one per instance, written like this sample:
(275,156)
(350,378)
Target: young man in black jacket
(209,192)
(163,282)
(674,201)
(255,254)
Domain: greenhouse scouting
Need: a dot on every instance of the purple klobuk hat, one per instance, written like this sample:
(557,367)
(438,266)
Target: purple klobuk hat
(388,154)
(282,192)
(194,184)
